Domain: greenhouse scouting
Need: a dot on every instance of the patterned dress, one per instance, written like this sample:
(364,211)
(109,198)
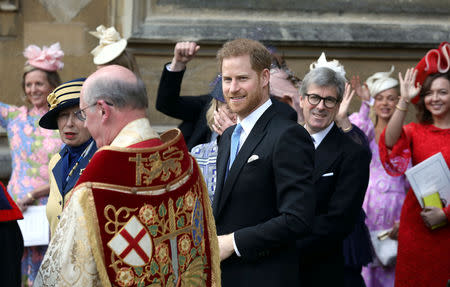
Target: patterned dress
(31,149)
(423,254)
(383,201)
(206,157)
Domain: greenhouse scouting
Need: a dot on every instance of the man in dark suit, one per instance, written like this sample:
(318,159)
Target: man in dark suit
(264,198)
(340,180)
(192,109)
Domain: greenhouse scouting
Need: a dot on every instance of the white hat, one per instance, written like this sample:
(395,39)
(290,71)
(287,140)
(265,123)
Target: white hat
(111,45)
(381,81)
(334,65)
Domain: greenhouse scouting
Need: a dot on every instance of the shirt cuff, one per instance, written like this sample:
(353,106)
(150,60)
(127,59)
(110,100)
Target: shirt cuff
(168,67)
(235,247)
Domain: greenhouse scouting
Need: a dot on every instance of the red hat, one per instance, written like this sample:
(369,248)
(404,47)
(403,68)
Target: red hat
(435,61)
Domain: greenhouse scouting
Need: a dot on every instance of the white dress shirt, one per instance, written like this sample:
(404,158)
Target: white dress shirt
(318,137)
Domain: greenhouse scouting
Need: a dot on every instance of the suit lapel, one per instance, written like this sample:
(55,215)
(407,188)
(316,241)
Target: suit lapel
(221,166)
(327,152)
(254,138)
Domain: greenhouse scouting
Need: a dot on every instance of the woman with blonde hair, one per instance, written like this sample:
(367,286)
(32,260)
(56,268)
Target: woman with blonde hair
(32,146)
(385,194)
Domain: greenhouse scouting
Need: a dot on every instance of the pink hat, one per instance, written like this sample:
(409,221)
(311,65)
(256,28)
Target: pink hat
(435,61)
(48,59)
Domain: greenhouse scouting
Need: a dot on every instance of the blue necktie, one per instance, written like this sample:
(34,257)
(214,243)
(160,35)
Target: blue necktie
(234,148)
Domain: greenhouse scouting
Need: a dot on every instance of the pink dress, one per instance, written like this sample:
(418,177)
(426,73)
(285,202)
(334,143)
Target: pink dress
(31,149)
(423,255)
(383,201)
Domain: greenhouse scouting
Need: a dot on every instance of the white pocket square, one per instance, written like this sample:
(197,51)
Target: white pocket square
(328,174)
(252,158)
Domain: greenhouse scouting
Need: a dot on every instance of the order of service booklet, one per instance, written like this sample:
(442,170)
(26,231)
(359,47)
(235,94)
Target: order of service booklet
(34,226)
(430,176)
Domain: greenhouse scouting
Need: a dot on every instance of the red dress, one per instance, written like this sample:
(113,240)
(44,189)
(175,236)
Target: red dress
(423,255)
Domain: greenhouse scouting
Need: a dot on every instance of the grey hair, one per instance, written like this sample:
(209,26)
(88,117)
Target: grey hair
(324,77)
(118,92)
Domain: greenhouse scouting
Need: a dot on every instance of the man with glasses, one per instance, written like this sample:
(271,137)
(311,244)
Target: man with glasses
(66,166)
(140,211)
(340,180)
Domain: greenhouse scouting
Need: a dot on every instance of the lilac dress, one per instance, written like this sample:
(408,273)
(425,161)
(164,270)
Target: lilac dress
(383,201)
(31,149)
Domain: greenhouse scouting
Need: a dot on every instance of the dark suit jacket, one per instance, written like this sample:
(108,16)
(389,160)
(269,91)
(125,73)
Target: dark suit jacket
(340,180)
(192,109)
(267,202)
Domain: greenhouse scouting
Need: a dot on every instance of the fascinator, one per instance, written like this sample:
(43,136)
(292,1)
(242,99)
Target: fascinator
(323,63)
(64,96)
(47,58)
(110,46)
(381,81)
(435,61)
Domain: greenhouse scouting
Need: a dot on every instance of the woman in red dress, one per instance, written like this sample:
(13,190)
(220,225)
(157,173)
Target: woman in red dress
(423,254)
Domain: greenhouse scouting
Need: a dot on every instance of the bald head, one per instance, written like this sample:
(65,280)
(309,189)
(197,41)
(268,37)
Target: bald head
(116,85)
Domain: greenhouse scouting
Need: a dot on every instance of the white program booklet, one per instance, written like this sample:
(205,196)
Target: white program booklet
(429,176)
(34,226)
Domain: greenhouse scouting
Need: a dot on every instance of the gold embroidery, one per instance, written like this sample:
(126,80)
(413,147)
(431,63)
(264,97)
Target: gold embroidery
(115,221)
(148,169)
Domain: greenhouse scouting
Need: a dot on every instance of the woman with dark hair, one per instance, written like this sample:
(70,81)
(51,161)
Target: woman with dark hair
(32,146)
(422,258)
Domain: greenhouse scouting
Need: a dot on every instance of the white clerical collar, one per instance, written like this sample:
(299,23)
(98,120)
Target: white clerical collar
(318,137)
(136,131)
(249,121)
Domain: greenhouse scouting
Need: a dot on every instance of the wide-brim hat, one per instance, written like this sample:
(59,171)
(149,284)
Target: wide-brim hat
(110,46)
(64,96)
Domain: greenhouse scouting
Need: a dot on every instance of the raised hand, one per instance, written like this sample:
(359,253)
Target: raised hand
(345,103)
(362,91)
(182,54)
(408,89)
(342,115)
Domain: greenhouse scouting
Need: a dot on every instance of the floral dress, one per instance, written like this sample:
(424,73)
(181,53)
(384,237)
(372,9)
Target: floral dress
(423,255)
(383,201)
(31,149)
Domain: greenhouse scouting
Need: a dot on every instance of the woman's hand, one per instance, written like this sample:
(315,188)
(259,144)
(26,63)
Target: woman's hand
(25,201)
(342,115)
(223,119)
(346,100)
(408,89)
(393,234)
(432,215)
(362,91)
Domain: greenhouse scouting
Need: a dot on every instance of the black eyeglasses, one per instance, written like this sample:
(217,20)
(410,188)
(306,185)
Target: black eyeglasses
(314,100)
